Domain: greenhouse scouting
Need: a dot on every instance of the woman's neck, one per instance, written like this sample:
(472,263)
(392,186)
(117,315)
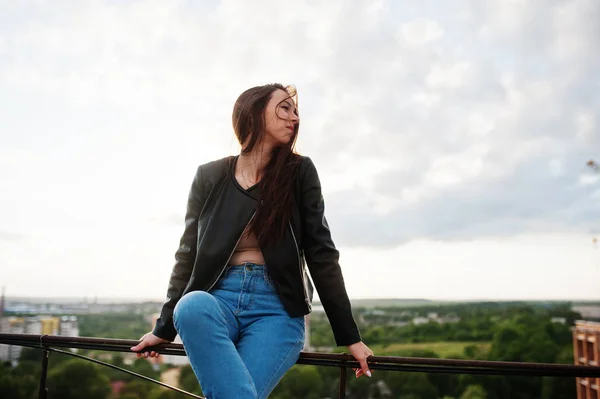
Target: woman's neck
(253,163)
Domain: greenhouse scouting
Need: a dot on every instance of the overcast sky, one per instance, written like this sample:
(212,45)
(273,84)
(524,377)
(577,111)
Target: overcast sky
(451,138)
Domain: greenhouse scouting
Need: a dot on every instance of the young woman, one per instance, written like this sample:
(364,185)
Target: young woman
(238,291)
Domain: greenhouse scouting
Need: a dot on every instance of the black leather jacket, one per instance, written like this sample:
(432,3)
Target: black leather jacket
(219,210)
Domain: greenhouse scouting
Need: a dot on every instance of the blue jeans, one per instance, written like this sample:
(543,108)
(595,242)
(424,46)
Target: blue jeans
(238,337)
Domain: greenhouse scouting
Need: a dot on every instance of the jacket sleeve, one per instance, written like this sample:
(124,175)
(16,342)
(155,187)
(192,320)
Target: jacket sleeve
(184,260)
(322,260)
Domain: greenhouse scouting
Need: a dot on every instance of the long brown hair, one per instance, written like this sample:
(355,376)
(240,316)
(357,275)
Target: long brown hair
(277,179)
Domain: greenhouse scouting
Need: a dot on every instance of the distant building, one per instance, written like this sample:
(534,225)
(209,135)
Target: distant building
(435,318)
(588,311)
(375,312)
(66,326)
(586,337)
(2,302)
(69,326)
(32,325)
(452,319)
(420,320)
(50,325)
(11,325)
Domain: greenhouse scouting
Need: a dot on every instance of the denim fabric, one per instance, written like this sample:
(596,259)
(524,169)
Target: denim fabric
(238,337)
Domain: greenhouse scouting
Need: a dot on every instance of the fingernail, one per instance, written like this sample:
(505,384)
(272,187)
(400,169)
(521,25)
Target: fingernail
(369,373)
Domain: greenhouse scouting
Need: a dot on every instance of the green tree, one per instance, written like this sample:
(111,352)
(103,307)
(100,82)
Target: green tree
(118,375)
(506,344)
(301,381)
(138,388)
(560,388)
(144,367)
(188,381)
(27,374)
(473,352)
(31,354)
(77,379)
(408,383)
(474,392)
(113,325)
(11,386)
(445,384)
(165,393)
(359,388)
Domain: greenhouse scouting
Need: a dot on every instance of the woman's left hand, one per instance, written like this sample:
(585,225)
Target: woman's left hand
(360,352)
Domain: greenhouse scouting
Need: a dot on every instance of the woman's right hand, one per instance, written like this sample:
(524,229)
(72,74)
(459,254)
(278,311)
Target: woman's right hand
(148,339)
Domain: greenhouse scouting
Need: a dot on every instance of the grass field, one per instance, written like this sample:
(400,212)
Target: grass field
(442,349)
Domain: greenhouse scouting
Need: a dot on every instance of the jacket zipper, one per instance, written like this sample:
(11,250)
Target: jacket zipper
(231,254)
(300,266)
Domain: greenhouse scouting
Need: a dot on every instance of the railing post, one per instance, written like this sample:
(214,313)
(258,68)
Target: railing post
(43,393)
(342,382)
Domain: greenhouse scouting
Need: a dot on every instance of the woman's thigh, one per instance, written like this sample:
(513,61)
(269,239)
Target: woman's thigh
(269,347)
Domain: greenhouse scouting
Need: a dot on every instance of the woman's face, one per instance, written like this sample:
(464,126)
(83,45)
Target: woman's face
(280,118)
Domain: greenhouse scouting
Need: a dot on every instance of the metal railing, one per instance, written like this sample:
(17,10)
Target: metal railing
(50,343)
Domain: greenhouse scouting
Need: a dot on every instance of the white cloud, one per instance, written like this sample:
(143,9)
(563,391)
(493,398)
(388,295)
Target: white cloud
(589,179)
(467,121)
(557,167)
(421,32)
(457,168)
(585,123)
(448,76)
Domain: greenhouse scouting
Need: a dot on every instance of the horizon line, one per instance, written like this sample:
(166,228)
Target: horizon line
(97,299)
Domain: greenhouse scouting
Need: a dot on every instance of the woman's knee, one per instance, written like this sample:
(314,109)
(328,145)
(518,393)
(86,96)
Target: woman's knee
(192,306)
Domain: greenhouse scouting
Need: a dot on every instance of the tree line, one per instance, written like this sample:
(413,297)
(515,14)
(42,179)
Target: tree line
(510,331)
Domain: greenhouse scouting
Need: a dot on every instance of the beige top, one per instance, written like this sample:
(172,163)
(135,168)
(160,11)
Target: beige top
(247,250)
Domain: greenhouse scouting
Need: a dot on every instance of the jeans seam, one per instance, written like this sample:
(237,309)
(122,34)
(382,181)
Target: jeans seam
(223,315)
(250,381)
(277,370)
(242,291)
